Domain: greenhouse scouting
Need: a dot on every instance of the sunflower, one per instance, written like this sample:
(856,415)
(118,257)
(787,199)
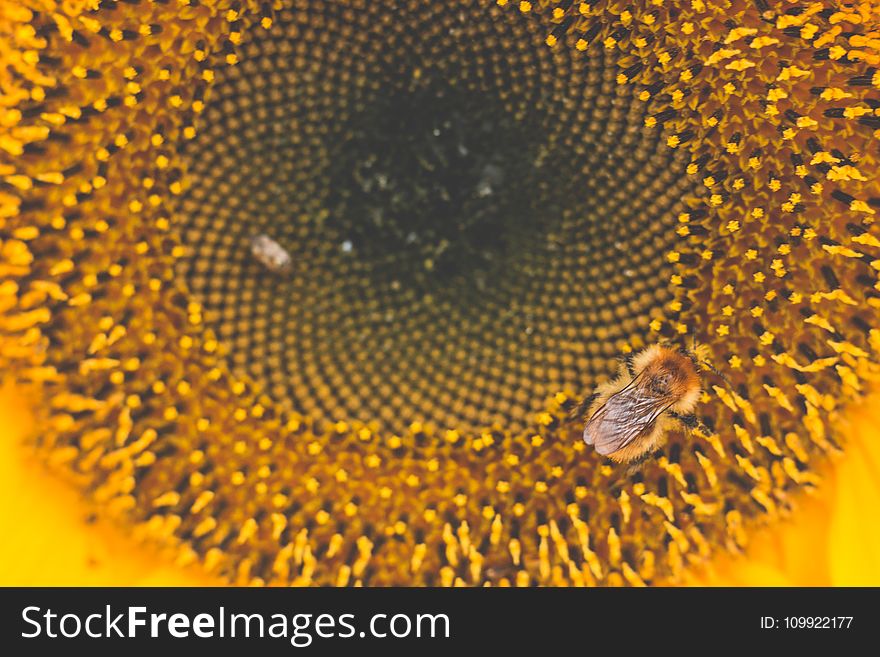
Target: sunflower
(483,204)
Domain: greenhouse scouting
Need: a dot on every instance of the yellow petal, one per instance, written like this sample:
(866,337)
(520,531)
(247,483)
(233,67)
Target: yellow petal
(831,538)
(854,537)
(48,539)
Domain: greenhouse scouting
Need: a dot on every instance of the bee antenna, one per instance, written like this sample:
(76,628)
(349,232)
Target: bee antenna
(702,362)
(710,366)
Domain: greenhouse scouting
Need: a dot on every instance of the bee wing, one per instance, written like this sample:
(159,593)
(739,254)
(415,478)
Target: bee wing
(625,416)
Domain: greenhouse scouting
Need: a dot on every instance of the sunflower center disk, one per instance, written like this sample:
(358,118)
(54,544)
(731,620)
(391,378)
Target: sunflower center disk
(423,188)
(475,220)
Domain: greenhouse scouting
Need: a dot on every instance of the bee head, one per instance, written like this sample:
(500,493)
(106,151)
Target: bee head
(671,374)
(661,383)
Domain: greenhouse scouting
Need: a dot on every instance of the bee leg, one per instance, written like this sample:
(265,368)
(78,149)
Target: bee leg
(690,420)
(577,413)
(638,463)
(634,467)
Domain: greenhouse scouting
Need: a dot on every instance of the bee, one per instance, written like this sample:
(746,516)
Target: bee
(271,254)
(656,391)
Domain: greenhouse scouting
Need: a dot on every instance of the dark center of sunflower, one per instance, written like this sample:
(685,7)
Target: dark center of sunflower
(475,220)
(428,178)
